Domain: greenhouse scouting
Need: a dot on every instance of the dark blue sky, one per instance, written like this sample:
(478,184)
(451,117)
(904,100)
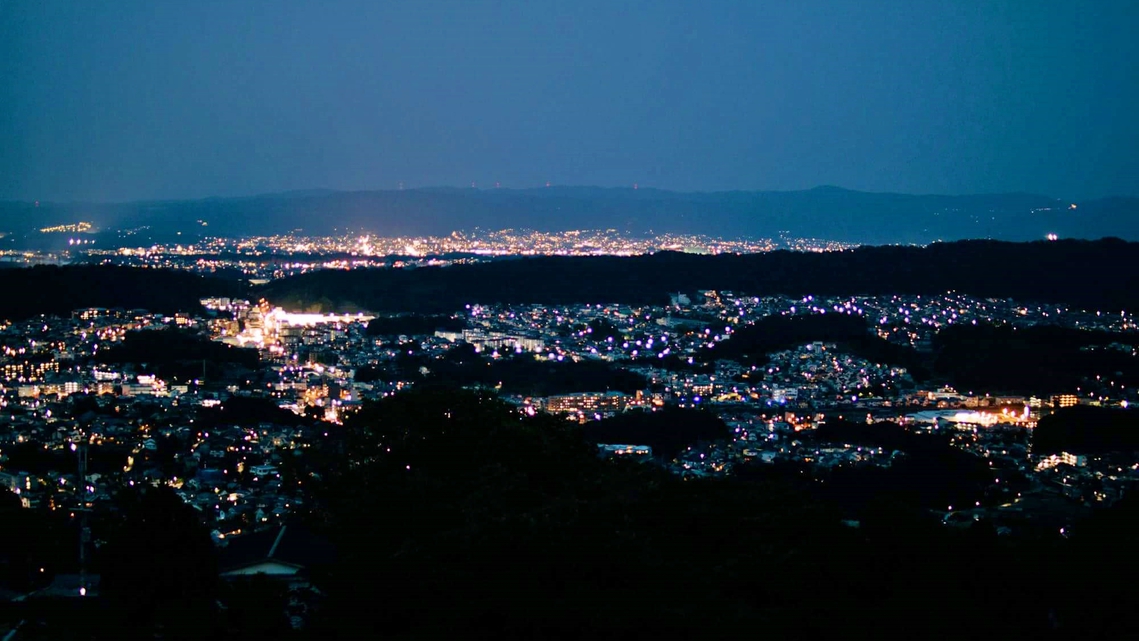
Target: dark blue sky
(136,100)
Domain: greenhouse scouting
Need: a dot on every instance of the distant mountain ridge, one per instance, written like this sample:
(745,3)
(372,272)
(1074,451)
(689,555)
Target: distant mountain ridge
(827,212)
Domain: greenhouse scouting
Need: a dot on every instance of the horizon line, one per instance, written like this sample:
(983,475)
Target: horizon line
(317,191)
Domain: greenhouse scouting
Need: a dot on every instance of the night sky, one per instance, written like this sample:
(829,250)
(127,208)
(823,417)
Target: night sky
(140,100)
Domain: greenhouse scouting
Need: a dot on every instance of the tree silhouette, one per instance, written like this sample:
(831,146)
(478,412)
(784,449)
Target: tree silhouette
(158,565)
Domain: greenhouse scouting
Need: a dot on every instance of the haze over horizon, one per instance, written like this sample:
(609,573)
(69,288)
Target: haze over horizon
(163,102)
(481,188)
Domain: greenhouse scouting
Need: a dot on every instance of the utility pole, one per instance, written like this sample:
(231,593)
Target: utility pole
(84,527)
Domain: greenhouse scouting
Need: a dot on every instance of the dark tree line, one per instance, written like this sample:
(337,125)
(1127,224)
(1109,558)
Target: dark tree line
(668,431)
(1094,274)
(513,374)
(927,472)
(177,354)
(1038,360)
(414,324)
(59,290)
(753,344)
(247,411)
(1087,430)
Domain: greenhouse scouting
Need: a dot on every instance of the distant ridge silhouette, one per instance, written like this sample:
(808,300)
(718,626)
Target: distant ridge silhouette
(822,212)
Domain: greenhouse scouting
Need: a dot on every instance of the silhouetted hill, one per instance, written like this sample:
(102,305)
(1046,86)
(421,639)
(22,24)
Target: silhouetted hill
(1094,274)
(830,212)
(753,343)
(485,520)
(413,325)
(523,375)
(1034,360)
(1087,430)
(177,354)
(59,290)
(668,431)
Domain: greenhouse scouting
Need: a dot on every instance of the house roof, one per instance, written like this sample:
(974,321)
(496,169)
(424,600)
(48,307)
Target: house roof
(287,544)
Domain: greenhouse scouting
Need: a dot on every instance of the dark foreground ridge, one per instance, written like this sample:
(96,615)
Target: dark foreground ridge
(444,513)
(1092,274)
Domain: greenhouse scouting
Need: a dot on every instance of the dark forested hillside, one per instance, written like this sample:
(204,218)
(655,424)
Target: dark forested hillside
(1094,274)
(753,343)
(668,432)
(413,324)
(512,526)
(59,290)
(1041,359)
(1087,430)
(176,354)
